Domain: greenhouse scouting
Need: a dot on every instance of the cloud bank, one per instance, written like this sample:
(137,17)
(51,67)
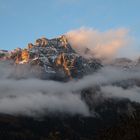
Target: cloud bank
(118,92)
(31,96)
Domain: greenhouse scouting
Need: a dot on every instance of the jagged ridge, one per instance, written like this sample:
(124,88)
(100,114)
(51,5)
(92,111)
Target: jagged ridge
(55,57)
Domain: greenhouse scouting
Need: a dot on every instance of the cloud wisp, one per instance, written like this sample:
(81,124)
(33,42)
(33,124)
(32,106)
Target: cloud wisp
(102,44)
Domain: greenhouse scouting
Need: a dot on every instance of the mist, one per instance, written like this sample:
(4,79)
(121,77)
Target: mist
(31,96)
(132,93)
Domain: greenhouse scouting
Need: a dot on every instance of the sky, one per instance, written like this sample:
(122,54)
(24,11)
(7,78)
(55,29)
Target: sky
(23,21)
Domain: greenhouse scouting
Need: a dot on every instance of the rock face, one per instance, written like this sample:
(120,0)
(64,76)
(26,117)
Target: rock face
(56,58)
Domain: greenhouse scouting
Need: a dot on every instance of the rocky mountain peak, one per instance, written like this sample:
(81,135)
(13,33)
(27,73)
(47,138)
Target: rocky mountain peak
(55,57)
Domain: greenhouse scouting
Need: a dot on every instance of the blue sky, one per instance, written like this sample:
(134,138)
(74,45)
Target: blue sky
(23,21)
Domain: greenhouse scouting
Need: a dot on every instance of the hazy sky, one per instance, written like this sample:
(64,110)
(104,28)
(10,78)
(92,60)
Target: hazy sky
(23,21)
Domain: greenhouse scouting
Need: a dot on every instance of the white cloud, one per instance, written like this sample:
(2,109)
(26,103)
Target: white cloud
(102,44)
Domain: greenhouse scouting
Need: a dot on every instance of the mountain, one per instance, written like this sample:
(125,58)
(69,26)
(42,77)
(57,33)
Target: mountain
(109,118)
(55,57)
(125,63)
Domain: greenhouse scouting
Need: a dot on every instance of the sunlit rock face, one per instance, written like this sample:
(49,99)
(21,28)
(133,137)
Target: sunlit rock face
(56,58)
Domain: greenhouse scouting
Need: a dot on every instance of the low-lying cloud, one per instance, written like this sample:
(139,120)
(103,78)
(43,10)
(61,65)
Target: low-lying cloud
(21,93)
(118,92)
(36,101)
(31,96)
